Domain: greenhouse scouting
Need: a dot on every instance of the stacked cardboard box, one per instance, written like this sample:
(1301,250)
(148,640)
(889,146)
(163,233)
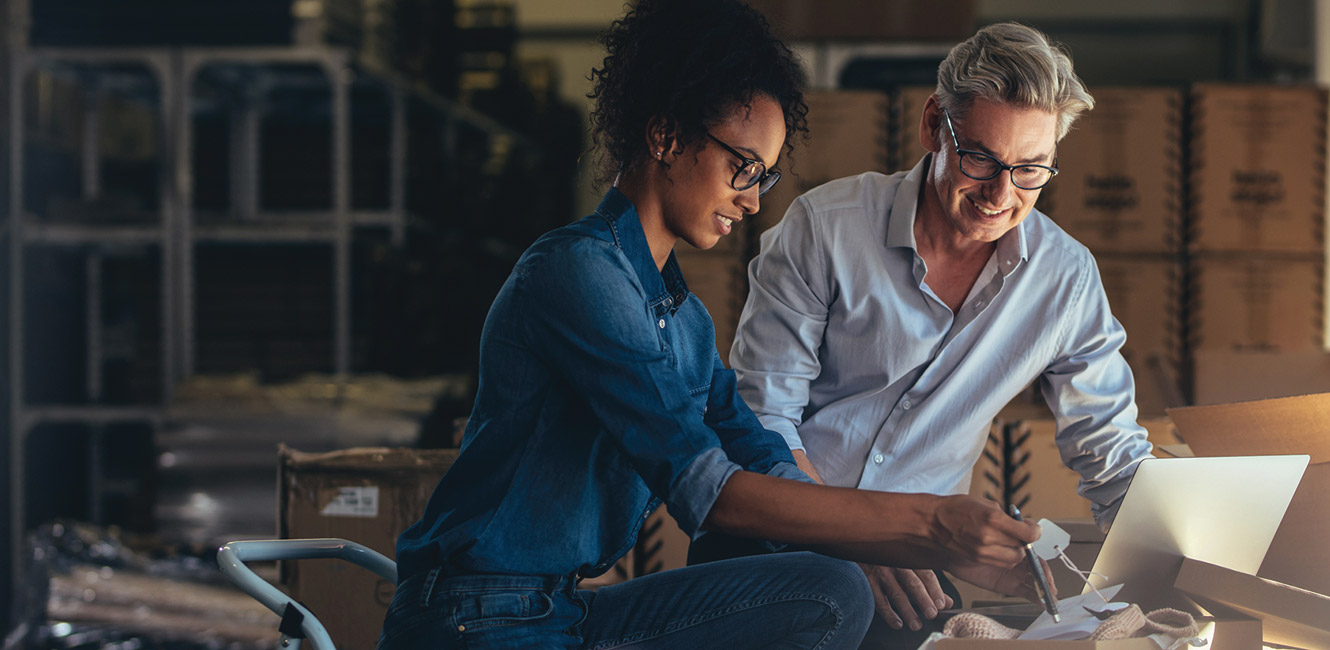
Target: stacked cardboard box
(907,111)
(364,495)
(1119,187)
(848,134)
(1119,192)
(946,20)
(1256,240)
(718,278)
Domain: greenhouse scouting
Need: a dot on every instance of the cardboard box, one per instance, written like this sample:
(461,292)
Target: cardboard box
(1300,554)
(913,20)
(365,495)
(721,281)
(1258,168)
(1257,302)
(907,114)
(1145,294)
(1239,376)
(848,133)
(1288,616)
(1119,183)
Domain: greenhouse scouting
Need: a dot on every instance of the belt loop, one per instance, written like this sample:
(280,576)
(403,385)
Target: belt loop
(427,589)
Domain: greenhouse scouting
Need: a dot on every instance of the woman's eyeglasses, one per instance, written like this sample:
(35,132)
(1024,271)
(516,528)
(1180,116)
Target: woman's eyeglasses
(750,173)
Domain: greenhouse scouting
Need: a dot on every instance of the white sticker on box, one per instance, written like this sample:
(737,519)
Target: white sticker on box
(359,501)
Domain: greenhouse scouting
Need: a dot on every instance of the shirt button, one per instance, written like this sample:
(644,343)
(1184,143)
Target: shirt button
(878,458)
(661,323)
(906,405)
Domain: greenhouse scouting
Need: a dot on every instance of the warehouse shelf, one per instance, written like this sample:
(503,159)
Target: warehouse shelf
(81,234)
(233,86)
(90,414)
(166,80)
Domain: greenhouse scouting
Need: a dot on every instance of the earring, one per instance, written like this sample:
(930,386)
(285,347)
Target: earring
(658,153)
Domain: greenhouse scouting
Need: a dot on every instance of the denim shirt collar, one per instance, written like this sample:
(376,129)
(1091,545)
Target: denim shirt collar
(665,288)
(1011,247)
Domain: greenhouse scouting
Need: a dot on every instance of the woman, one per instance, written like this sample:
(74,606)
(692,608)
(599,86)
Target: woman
(601,395)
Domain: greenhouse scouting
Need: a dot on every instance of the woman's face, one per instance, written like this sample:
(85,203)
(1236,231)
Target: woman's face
(699,203)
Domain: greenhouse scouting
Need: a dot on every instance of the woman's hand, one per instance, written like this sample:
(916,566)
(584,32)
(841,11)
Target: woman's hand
(977,531)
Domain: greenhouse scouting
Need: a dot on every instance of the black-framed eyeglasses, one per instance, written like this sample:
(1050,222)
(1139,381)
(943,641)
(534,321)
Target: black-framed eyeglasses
(981,166)
(751,172)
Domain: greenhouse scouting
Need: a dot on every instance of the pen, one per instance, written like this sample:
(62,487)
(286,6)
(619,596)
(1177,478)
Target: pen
(1040,578)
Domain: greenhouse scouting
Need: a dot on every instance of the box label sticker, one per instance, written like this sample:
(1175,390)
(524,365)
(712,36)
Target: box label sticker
(359,501)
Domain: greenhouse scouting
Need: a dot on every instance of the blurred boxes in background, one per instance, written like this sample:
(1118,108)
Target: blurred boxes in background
(848,133)
(1258,168)
(912,20)
(1145,292)
(1037,481)
(367,495)
(908,111)
(1257,302)
(1119,186)
(721,281)
(1235,376)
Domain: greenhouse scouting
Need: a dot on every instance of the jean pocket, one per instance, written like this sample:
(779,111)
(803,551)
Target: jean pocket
(495,609)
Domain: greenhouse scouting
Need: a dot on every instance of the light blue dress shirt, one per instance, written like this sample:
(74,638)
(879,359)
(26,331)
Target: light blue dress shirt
(846,352)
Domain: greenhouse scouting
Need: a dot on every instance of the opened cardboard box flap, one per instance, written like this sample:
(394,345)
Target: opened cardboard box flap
(1300,552)
(1288,616)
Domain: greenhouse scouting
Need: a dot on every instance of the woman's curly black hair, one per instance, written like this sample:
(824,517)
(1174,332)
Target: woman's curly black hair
(689,62)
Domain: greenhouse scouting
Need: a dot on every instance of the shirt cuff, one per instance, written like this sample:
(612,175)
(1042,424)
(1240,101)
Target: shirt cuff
(785,428)
(790,471)
(697,486)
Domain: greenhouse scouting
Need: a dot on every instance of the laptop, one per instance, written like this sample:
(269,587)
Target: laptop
(1224,511)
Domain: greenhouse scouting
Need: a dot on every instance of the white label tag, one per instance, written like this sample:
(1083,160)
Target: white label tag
(1052,542)
(354,502)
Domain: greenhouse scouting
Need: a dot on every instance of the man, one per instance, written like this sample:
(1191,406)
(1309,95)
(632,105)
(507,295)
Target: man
(890,318)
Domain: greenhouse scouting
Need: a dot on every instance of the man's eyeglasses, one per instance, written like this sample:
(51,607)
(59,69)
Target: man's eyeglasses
(750,173)
(981,166)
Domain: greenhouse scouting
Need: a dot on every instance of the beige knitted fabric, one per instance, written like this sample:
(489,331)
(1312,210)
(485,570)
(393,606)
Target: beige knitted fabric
(1125,623)
(968,625)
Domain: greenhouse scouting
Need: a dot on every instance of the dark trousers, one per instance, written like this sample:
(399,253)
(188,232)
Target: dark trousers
(717,546)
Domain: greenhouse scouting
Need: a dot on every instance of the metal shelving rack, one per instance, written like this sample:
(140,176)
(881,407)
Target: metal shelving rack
(175,231)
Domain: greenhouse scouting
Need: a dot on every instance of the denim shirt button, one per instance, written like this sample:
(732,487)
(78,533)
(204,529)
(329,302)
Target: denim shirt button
(661,323)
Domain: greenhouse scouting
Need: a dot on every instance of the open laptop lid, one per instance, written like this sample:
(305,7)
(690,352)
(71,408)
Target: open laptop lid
(1223,511)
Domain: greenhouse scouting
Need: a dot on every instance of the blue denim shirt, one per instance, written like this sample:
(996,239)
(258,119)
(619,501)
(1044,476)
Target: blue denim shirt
(601,394)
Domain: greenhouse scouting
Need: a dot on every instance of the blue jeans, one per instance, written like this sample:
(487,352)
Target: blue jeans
(783,601)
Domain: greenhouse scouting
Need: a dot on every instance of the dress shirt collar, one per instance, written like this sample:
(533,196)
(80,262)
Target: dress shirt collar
(665,287)
(1011,247)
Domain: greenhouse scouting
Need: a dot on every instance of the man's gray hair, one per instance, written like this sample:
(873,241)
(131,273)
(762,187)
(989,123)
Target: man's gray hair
(1012,64)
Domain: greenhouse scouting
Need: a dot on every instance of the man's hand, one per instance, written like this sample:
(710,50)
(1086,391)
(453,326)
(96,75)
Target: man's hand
(801,460)
(903,597)
(1016,581)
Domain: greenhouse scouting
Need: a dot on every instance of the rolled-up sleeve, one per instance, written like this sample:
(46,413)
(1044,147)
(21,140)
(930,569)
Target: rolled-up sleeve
(775,353)
(590,319)
(1092,394)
